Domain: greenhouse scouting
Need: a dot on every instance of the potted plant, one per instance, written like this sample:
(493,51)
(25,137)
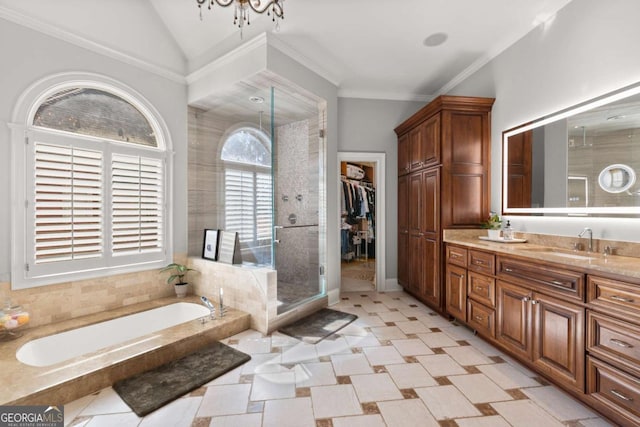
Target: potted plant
(178,271)
(493,225)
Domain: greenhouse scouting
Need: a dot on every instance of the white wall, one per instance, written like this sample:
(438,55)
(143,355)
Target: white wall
(28,56)
(366,125)
(589,49)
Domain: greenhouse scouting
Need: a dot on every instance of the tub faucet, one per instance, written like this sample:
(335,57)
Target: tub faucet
(209,305)
(588,230)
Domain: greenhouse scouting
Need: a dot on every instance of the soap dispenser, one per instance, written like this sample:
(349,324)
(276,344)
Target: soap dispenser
(507,233)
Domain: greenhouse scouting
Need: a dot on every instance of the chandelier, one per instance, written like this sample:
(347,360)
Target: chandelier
(273,8)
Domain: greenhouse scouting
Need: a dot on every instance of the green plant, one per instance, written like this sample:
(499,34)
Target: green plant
(178,272)
(493,222)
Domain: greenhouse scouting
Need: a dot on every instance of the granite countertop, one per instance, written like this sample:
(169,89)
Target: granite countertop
(558,251)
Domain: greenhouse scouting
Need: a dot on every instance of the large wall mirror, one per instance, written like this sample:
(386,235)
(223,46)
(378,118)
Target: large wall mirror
(580,161)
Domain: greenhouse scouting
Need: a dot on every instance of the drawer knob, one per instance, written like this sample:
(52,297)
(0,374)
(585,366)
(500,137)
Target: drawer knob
(621,299)
(620,343)
(479,288)
(479,318)
(526,299)
(620,395)
(557,283)
(534,302)
(508,270)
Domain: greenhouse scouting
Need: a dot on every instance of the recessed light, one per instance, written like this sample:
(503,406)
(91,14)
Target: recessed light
(256,99)
(435,39)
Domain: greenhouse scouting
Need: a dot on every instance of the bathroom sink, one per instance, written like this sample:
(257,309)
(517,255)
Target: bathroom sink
(561,253)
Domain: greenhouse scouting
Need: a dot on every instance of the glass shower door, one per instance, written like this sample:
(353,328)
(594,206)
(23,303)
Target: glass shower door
(297,158)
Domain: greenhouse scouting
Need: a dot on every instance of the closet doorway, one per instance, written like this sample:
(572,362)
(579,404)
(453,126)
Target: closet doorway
(362,221)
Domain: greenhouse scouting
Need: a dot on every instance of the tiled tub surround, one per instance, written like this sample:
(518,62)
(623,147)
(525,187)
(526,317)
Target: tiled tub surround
(249,289)
(71,379)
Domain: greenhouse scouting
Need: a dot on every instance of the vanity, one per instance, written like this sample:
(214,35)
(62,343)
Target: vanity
(572,316)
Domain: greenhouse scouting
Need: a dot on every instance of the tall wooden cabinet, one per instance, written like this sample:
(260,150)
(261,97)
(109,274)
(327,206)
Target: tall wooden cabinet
(443,182)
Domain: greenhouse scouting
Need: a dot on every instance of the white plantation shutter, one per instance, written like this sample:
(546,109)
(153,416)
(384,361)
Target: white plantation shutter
(67,202)
(248,205)
(137,204)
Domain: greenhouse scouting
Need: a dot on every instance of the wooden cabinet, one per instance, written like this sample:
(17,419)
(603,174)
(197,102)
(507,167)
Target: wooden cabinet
(613,346)
(514,328)
(456,292)
(444,151)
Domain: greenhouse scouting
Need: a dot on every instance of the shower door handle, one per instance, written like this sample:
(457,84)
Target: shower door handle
(275,233)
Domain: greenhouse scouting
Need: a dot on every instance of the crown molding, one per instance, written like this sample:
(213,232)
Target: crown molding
(227,58)
(58,33)
(386,96)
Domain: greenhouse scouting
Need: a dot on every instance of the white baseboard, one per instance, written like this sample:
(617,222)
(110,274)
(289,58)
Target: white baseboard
(334,296)
(391,285)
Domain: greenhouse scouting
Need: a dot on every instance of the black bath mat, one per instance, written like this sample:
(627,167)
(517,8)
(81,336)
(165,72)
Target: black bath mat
(150,390)
(319,325)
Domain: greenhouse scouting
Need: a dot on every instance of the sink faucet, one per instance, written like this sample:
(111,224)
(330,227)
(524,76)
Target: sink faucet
(588,230)
(209,305)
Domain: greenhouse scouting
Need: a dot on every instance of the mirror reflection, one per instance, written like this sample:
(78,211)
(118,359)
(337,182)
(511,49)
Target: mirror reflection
(581,161)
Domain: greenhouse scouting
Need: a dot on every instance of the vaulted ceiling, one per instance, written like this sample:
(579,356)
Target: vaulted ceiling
(369,49)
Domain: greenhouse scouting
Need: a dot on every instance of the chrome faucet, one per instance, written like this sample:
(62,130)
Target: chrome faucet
(209,305)
(588,230)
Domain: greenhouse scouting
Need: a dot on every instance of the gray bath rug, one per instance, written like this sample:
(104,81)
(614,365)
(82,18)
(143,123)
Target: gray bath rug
(148,391)
(319,325)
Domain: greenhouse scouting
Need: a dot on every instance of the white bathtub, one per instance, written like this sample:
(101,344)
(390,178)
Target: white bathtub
(66,345)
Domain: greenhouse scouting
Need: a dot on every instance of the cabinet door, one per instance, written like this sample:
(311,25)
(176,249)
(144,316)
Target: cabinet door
(513,323)
(430,229)
(403,230)
(415,148)
(403,154)
(456,292)
(558,347)
(415,203)
(430,133)
(519,167)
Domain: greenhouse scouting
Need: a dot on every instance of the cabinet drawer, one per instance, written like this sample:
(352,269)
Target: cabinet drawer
(614,340)
(482,289)
(482,262)
(481,318)
(457,256)
(614,295)
(549,279)
(617,391)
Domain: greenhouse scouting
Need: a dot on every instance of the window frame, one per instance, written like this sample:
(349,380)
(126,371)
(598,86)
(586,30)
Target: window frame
(24,135)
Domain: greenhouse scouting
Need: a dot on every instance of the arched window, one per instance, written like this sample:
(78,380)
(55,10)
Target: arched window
(95,186)
(246,153)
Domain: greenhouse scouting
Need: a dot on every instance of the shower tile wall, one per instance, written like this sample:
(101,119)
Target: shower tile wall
(206,175)
(298,173)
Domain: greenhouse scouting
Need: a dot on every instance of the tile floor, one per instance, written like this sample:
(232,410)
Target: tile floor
(399,364)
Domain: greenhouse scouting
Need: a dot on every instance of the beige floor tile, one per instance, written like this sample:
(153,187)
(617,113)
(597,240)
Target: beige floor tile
(525,413)
(225,400)
(406,413)
(386,355)
(106,402)
(359,421)
(388,333)
(367,321)
(412,327)
(334,401)
(288,413)
(484,347)
(468,356)
(507,377)
(375,388)
(244,420)
(328,346)
(446,402)
(410,375)
(438,339)
(491,421)
(411,347)
(392,316)
(255,345)
(433,321)
(458,332)
(370,307)
(479,389)
(368,340)
(440,365)
(315,374)
(279,339)
(559,404)
(281,385)
(179,413)
(300,353)
(351,364)
(231,377)
(128,419)
(73,409)
(595,422)
(262,364)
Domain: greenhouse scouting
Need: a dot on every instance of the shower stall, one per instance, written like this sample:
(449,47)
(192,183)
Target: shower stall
(257,162)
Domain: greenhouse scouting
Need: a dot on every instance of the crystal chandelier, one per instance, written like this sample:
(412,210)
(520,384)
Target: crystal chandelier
(273,8)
